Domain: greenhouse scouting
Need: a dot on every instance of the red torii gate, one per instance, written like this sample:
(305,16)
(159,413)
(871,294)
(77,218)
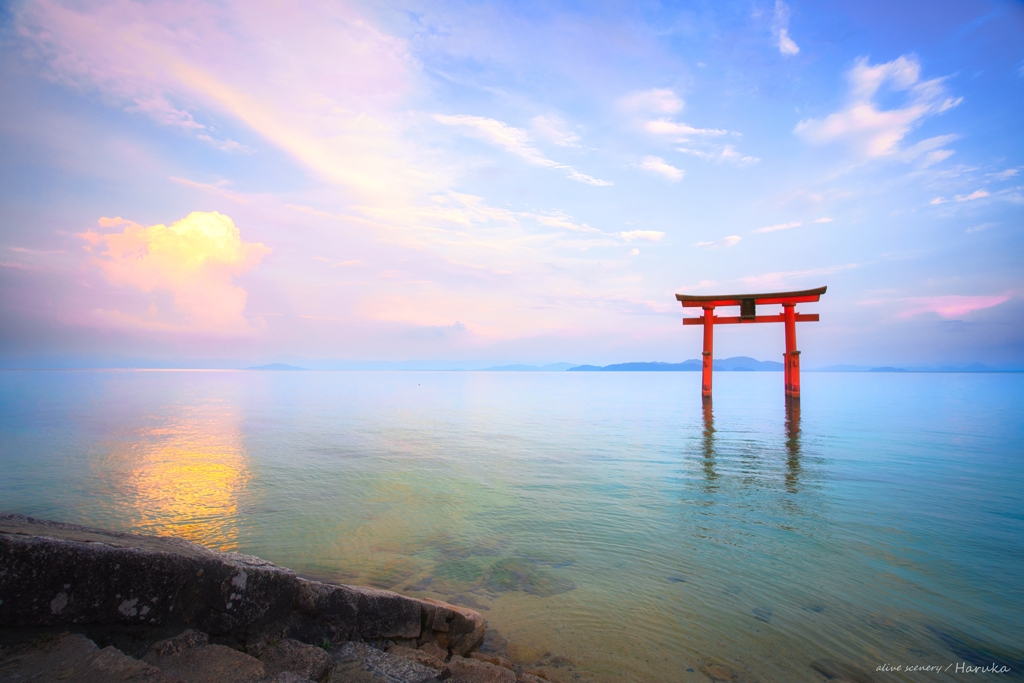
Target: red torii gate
(748,314)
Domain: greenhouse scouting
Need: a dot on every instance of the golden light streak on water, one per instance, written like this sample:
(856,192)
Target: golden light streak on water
(185,477)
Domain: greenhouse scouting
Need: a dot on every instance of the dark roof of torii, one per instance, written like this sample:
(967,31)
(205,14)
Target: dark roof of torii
(801,296)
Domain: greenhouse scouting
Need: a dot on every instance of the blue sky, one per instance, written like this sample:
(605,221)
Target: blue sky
(509,182)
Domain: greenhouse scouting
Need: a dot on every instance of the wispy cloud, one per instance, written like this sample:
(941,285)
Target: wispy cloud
(787,226)
(780,29)
(725,242)
(783,278)
(656,101)
(219,189)
(948,306)
(662,168)
(515,141)
(980,227)
(645,235)
(1003,175)
(875,133)
(977,194)
(725,153)
(778,226)
(26,250)
(680,130)
(553,129)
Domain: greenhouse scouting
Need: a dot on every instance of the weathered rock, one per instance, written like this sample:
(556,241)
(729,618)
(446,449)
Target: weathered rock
(287,677)
(209,664)
(308,661)
(458,629)
(358,662)
(466,670)
(185,640)
(434,650)
(68,575)
(58,574)
(418,656)
(496,660)
(529,678)
(73,657)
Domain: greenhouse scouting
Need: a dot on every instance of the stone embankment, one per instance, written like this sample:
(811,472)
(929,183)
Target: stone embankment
(85,605)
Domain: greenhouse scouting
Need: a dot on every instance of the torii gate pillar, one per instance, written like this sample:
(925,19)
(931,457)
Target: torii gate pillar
(748,306)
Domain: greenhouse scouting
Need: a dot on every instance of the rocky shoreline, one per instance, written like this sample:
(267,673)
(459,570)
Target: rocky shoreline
(85,604)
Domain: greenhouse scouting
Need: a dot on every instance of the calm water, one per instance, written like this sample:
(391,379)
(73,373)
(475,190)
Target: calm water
(606,517)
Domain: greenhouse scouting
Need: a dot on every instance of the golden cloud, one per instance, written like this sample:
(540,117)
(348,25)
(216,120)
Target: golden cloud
(193,259)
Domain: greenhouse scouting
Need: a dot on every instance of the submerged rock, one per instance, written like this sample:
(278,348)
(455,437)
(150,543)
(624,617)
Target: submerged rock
(841,671)
(518,573)
(980,655)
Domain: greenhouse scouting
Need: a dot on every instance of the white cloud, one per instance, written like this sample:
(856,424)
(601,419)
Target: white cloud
(787,226)
(552,128)
(1003,175)
(725,242)
(782,279)
(780,29)
(513,140)
(977,194)
(683,131)
(726,153)
(224,145)
(645,235)
(928,151)
(659,166)
(778,226)
(656,101)
(980,227)
(874,133)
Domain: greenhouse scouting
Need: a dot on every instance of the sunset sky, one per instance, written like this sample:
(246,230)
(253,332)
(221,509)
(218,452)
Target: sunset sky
(248,182)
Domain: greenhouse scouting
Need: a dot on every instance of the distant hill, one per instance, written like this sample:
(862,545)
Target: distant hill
(973,367)
(734,364)
(276,366)
(550,367)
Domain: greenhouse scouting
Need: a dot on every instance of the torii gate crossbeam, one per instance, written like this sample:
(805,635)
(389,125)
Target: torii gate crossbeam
(748,314)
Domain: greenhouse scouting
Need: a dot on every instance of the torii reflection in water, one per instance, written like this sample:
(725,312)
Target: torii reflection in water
(708,443)
(793,468)
(793,445)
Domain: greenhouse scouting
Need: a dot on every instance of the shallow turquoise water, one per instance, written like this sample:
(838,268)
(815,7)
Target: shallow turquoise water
(605,517)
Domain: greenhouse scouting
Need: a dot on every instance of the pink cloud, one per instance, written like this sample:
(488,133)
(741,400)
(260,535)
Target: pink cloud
(949,306)
(193,260)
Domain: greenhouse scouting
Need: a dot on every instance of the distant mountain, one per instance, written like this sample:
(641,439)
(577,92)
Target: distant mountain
(550,367)
(734,364)
(276,366)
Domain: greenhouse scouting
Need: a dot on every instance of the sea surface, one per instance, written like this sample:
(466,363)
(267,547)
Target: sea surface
(612,520)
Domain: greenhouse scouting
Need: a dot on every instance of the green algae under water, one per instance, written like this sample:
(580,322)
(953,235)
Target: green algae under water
(609,518)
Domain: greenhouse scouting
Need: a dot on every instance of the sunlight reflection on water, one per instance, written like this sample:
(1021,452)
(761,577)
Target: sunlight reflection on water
(183,478)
